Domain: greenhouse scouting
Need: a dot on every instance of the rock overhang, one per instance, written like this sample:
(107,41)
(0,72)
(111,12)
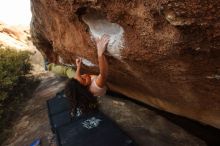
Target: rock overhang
(157,62)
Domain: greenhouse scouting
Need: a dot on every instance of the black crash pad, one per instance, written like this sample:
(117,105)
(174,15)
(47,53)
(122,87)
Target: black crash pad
(58,111)
(92,130)
(58,104)
(60,119)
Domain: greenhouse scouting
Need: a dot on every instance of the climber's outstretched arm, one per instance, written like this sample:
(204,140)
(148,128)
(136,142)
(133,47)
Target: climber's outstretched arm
(78,65)
(103,64)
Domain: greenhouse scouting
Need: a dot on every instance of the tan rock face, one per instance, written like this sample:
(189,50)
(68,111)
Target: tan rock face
(14,36)
(165,53)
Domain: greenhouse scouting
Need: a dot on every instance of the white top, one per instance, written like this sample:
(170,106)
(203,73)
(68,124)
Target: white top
(95,89)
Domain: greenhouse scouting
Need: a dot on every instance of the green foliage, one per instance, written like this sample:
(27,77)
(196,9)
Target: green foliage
(14,66)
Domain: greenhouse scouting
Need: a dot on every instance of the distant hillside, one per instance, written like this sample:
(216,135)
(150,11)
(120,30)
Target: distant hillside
(18,37)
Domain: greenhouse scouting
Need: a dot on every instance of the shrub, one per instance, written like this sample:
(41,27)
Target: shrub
(14,66)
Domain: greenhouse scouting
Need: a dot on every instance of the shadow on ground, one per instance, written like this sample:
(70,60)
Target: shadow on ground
(206,133)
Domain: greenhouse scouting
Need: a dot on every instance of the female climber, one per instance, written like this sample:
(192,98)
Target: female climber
(96,84)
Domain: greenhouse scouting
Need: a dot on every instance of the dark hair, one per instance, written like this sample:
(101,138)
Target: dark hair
(80,98)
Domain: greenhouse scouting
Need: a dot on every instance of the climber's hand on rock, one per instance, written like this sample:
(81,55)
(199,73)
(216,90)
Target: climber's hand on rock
(102,43)
(78,62)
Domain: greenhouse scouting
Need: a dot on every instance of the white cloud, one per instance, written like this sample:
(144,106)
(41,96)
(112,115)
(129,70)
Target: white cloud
(15,12)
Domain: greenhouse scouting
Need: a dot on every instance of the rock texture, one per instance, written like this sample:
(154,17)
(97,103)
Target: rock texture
(165,53)
(14,36)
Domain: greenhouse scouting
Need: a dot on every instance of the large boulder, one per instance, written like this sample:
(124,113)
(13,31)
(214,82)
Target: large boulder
(165,53)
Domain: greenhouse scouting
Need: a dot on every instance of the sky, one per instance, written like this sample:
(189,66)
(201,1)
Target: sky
(15,12)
